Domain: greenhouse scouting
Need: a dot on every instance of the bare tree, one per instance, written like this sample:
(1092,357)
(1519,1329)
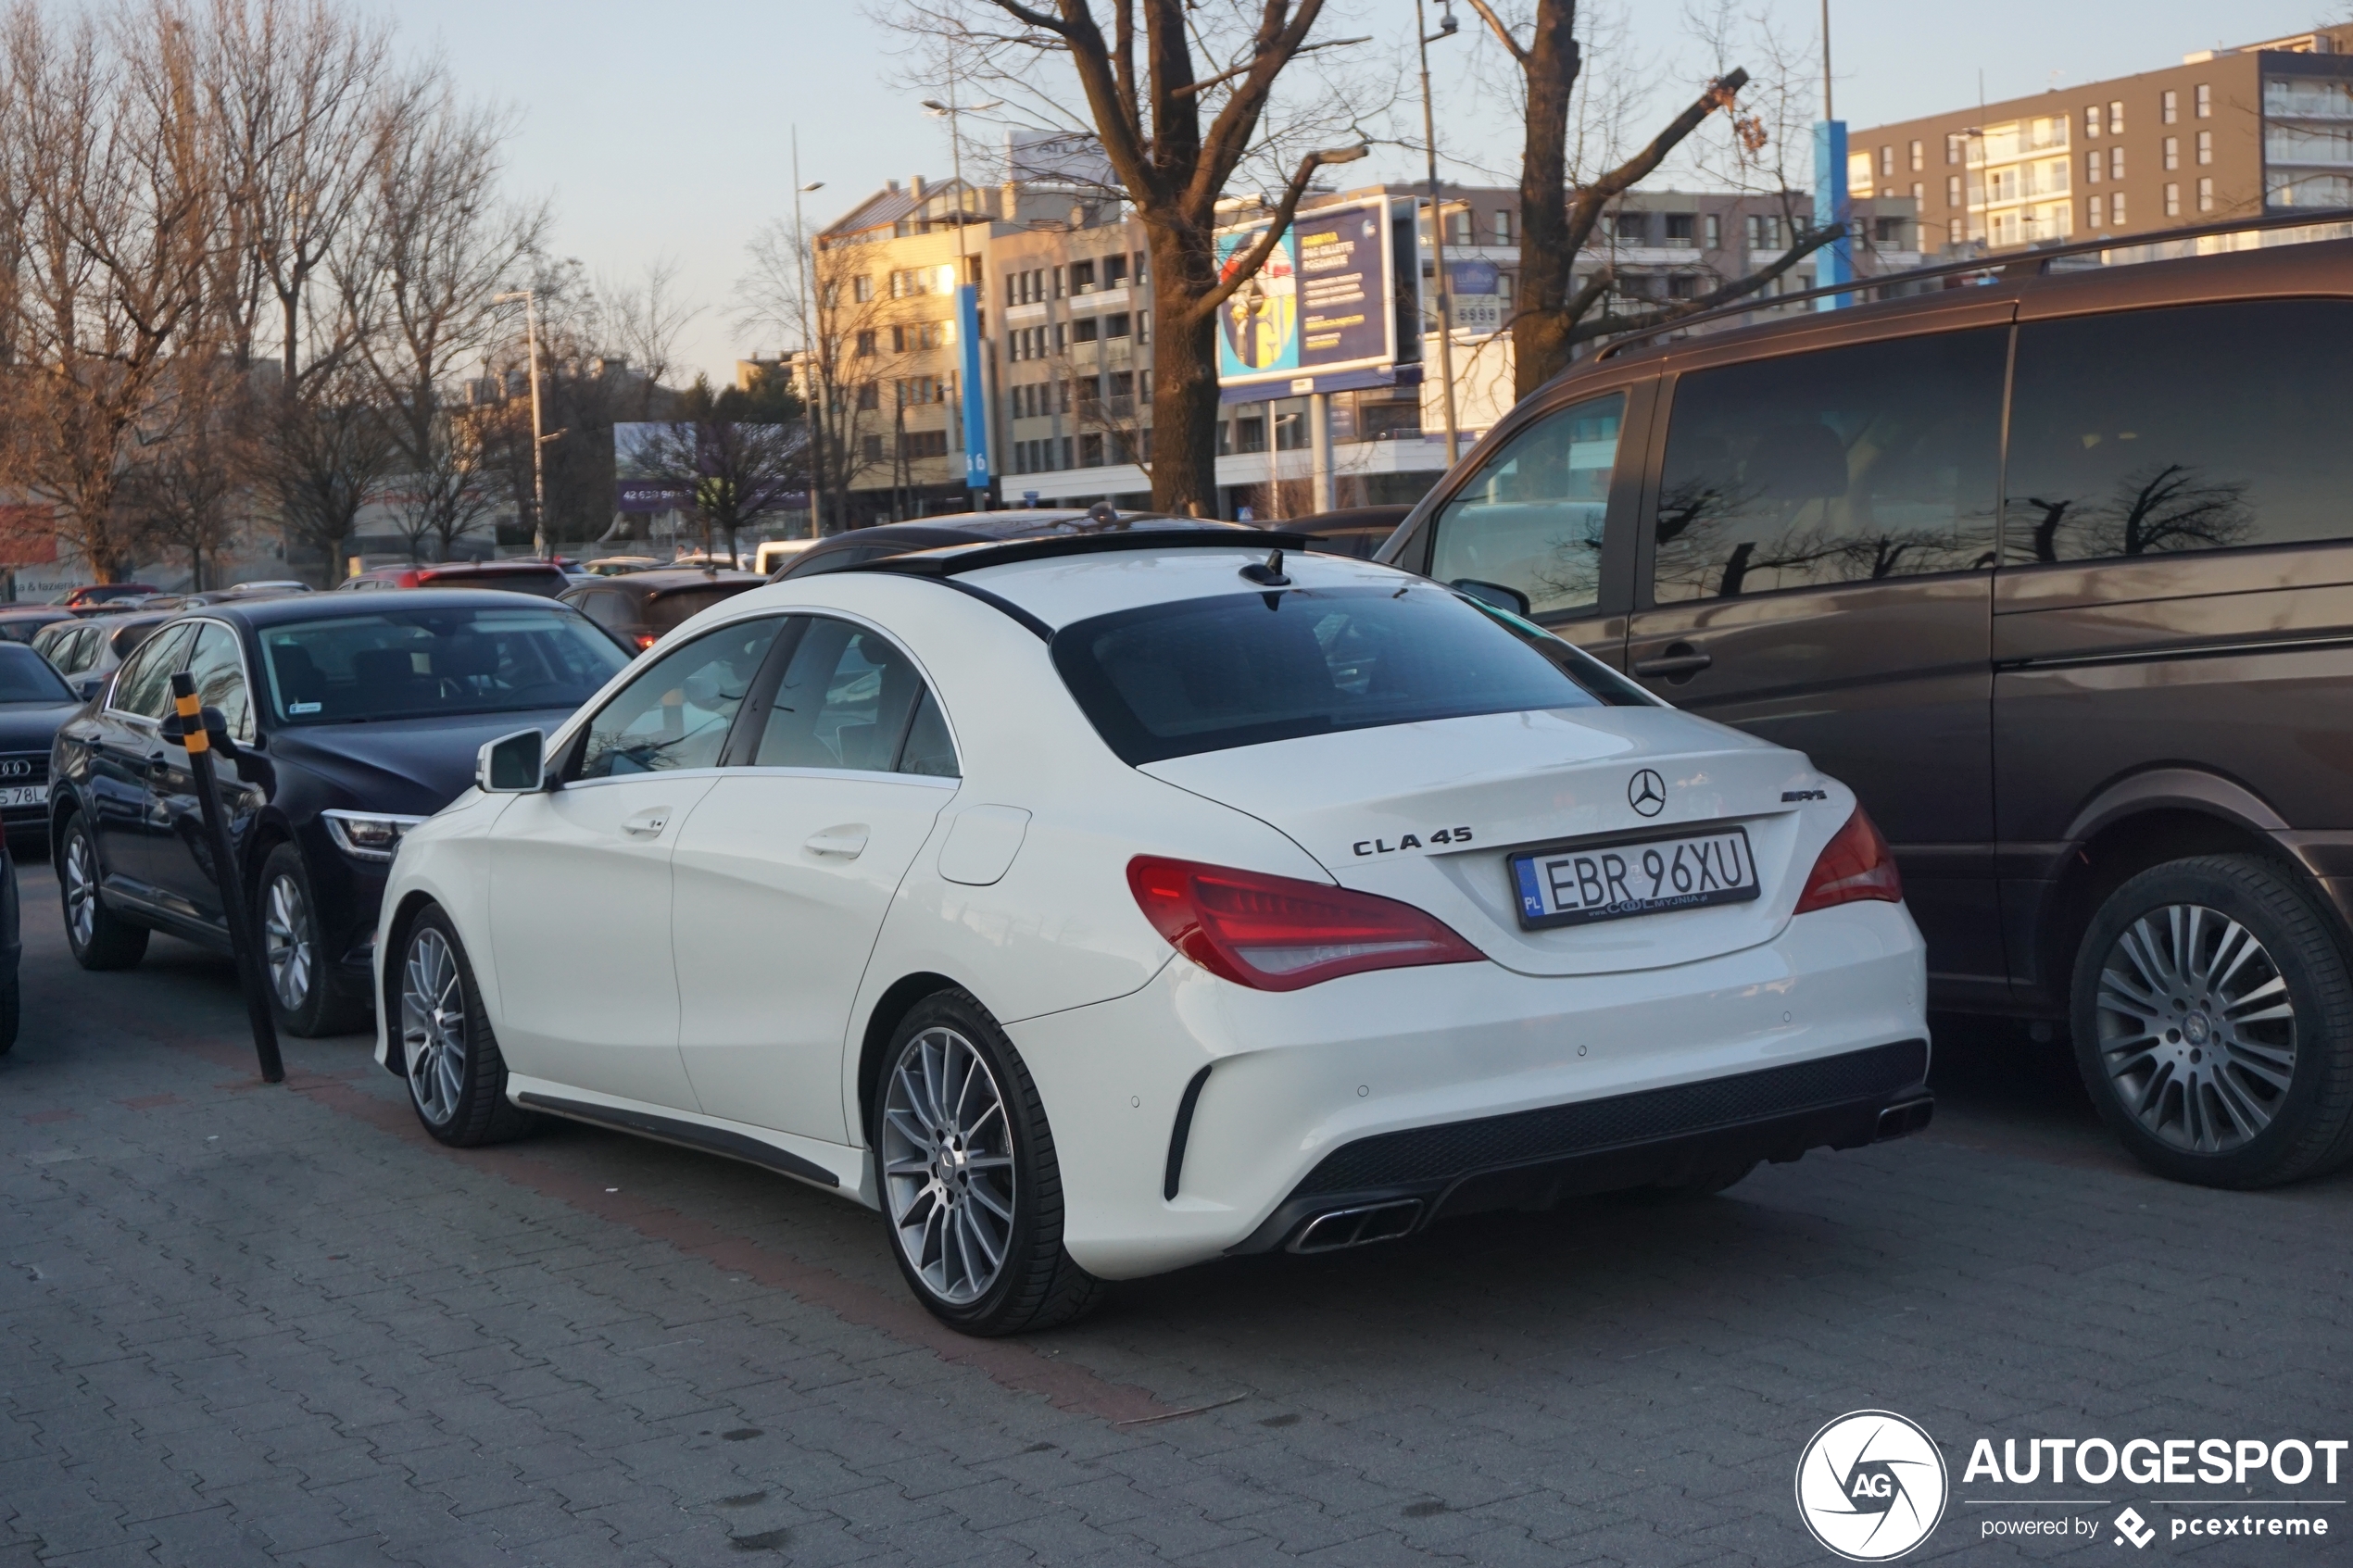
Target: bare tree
(1180,94)
(842,375)
(108,162)
(1559,209)
(642,323)
(450,485)
(436,246)
(737,467)
(322,460)
(194,464)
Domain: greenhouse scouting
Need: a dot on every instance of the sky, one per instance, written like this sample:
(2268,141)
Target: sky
(665,134)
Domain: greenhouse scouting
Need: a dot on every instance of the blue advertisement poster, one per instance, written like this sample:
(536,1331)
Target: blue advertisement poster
(975,389)
(1321,301)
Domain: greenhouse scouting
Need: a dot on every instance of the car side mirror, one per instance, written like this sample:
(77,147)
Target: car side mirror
(1493,594)
(512,764)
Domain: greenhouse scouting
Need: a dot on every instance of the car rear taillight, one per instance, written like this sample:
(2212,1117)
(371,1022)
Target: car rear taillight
(1278,933)
(1854,865)
(645,640)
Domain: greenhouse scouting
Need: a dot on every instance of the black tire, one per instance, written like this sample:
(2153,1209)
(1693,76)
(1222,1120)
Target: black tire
(97,938)
(11,994)
(460,1096)
(307,998)
(2176,1034)
(1036,1285)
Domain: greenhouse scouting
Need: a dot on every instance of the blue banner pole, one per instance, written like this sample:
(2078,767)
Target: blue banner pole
(1835,263)
(975,395)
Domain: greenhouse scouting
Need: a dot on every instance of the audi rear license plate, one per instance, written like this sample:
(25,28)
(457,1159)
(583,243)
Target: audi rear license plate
(23,795)
(1644,876)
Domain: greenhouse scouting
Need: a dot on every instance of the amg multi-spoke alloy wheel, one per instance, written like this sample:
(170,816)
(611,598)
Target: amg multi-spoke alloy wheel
(2212,1008)
(98,937)
(457,1079)
(947,1165)
(305,994)
(969,1188)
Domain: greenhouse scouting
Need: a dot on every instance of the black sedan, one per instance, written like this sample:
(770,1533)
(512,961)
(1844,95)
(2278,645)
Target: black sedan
(641,606)
(349,719)
(35,700)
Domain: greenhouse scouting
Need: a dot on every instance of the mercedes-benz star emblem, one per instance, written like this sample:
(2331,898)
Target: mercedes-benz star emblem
(1646,792)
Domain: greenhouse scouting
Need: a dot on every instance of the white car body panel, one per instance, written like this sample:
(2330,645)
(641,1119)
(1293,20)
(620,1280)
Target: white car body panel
(761,987)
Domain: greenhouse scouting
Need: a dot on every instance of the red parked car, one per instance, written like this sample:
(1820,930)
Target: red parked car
(105,593)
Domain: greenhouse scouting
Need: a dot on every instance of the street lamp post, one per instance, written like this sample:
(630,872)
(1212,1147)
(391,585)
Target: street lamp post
(1446,28)
(538,442)
(819,388)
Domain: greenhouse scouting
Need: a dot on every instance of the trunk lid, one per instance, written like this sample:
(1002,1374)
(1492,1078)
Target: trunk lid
(1367,805)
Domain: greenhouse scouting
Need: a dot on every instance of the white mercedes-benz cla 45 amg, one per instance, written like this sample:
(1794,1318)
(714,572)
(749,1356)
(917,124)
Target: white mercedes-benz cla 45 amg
(1094,905)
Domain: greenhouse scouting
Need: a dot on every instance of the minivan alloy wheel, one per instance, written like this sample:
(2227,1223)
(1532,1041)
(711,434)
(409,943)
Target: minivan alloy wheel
(432,1025)
(82,887)
(2198,1031)
(285,942)
(947,1165)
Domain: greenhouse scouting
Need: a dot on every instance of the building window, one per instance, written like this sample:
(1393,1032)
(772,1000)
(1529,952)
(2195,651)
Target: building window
(1678,230)
(861,288)
(2091,119)
(1458,227)
(2205,147)
(2173,145)
(2172,199)
(1919,156)
(925,444)
(1082,277)
(1115,325)
(1952,147)
(870,395)
(2116,209)
(2093,166)
(2206,193)
(2096,208)
(1061,397)
(872,448)
(1714,231)
(1952,230)
(1090,451)
(2205,101)
(865,345)
(1062,336)
(2168,106)
(1061,281)
(1919,193)
(1083,330)
(1114,271)
(1144,328)
(1068,447)
(1888,231)
(1632,228)
(1504,283)
(1140,270)
(2115,117)
(1764,234)
(1952,190)
(2116,163)
(1502,226)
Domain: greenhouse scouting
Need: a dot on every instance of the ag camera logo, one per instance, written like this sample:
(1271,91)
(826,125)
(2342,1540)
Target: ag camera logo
(1871,1486)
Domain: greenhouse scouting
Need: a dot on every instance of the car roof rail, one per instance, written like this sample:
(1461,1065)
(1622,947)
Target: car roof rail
(1999,267)
(950,560)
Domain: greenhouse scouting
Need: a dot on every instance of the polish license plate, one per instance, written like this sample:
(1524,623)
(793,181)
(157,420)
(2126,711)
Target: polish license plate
(24,794)
(1647,876)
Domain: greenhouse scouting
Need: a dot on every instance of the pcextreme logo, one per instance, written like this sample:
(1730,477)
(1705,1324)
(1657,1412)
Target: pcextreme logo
(1871,1486)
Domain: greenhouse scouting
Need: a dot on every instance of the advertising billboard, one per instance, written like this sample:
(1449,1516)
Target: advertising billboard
(1323,301)
(642,478)
(666,467)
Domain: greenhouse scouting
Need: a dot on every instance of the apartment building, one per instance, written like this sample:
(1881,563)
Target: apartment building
(2227,133)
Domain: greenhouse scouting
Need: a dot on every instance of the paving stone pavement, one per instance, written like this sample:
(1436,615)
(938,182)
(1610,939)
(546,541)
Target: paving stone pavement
(244,1325)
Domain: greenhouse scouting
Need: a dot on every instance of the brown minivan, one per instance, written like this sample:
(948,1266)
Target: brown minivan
(2058,574)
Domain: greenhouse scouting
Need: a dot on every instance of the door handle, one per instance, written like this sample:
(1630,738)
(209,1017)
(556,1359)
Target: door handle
(647,823)
(1679,663)
(846,841)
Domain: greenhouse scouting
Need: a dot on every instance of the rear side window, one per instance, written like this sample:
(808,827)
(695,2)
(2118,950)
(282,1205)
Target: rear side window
(1531,518)
(2200,427)
(1171,680)
(1843,466)
(849,698)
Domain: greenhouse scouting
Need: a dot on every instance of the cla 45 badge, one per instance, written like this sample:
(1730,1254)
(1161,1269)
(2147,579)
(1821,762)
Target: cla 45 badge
(1411,841)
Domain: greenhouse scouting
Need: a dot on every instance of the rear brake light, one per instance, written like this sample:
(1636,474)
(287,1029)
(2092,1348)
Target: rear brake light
(646,640)
(1854,865)
(1278,933)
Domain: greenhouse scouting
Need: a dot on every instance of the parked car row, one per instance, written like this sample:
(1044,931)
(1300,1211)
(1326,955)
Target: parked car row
(1396,886)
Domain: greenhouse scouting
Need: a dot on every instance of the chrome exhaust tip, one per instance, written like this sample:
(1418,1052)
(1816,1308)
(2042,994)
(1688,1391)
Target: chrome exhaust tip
(1357,1227)
(1897,1120)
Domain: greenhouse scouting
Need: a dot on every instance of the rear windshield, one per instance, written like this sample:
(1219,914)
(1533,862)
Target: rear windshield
(25,676)
(420,663)
(547,584)
(672,607)
(1171,680)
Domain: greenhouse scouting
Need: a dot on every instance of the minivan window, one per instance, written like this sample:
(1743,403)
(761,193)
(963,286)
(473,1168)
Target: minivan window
(2198,427)
(1532,516)
(1845,465)
(1207,674)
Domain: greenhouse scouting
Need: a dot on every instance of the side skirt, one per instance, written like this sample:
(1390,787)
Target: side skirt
(685,1135)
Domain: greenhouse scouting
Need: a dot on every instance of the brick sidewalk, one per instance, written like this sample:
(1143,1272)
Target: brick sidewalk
(249,1326)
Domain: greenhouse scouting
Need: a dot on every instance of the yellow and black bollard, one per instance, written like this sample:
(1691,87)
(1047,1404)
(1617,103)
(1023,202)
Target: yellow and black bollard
(193,727)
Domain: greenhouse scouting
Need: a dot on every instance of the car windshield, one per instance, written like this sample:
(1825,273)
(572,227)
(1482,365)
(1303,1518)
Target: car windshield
(25,676)
(1170,680)
(398,663)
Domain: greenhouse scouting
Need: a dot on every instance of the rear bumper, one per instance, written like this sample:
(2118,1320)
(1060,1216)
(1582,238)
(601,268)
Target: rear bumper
(1533,1158)
(1193,1117)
